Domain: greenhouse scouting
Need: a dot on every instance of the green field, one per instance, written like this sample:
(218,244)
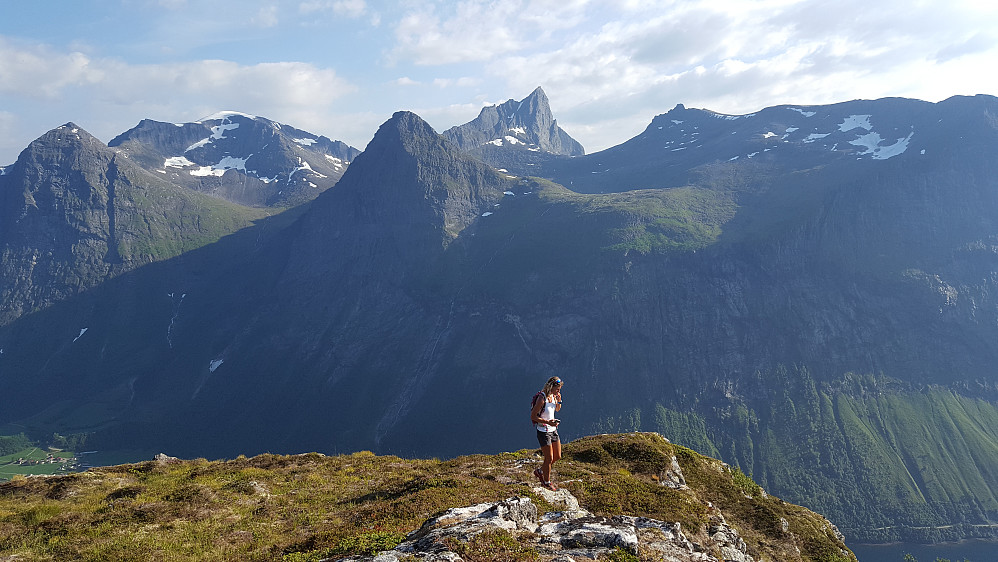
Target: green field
(9,467)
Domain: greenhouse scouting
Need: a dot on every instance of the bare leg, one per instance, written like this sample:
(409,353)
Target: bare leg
(548,452)
(555,449)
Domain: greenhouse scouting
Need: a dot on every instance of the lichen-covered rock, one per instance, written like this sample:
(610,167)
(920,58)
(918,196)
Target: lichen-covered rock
(673,477)
(562,536)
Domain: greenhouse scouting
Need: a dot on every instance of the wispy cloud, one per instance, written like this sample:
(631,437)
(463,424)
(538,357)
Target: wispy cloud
(346,8)
(477,30)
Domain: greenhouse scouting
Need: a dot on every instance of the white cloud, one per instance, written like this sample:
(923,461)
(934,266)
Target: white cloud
(43,72)
(480,30)
(462,82)
(8,137)
(350,8)
(345,8)
(266,16)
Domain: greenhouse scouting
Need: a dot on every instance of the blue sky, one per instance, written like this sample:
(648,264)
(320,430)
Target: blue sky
(341,67)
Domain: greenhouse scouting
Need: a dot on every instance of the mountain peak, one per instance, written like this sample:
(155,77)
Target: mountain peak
(404,168)
(534,105)
(409,194)
(517,126)
(405,127)
(239,157)
(69,133)
(67,144)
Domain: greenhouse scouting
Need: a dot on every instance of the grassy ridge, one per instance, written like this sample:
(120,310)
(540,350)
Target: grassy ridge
(306,507)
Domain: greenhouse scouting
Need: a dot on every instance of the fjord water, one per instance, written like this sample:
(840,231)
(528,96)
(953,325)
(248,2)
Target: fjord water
(970,551)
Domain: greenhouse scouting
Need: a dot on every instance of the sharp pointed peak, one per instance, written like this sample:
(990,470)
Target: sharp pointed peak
(538,93)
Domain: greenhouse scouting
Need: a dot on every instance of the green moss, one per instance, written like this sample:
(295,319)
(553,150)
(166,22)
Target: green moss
(621,555)
(493,545)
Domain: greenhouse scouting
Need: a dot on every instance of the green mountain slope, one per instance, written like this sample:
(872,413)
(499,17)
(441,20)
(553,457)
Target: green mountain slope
(890,462)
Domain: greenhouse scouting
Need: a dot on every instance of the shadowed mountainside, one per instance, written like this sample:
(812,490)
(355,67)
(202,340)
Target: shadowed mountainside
(790,291)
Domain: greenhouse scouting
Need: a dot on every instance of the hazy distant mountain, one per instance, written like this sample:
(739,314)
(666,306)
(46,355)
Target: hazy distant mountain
(242,158)
(515,135)
(807,293)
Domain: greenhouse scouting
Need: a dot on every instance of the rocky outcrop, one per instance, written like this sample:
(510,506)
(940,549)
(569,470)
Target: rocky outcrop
(564,536)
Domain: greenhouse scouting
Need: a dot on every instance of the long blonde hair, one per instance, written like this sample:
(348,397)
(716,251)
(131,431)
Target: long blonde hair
(549,386)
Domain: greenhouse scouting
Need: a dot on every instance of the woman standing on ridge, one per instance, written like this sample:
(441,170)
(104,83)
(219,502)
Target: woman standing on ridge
(542,410)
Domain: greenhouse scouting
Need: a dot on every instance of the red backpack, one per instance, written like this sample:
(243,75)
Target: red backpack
(533,402)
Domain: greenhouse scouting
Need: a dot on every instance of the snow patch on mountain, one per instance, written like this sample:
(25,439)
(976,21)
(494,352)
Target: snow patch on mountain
(223,115)
(305,142)
(871,142)
(225,164)
(856,122)
(815,136)
(337,163)
(177,162)
(802,112)
(217,133)
(302,165)
(198,144)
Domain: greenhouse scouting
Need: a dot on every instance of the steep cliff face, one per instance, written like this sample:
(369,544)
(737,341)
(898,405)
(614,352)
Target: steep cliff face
(74,214)
(242,158)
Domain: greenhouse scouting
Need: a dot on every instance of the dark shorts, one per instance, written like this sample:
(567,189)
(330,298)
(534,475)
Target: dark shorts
(546,438)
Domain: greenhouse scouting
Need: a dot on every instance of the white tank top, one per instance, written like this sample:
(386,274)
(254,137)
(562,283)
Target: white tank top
(547,413)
